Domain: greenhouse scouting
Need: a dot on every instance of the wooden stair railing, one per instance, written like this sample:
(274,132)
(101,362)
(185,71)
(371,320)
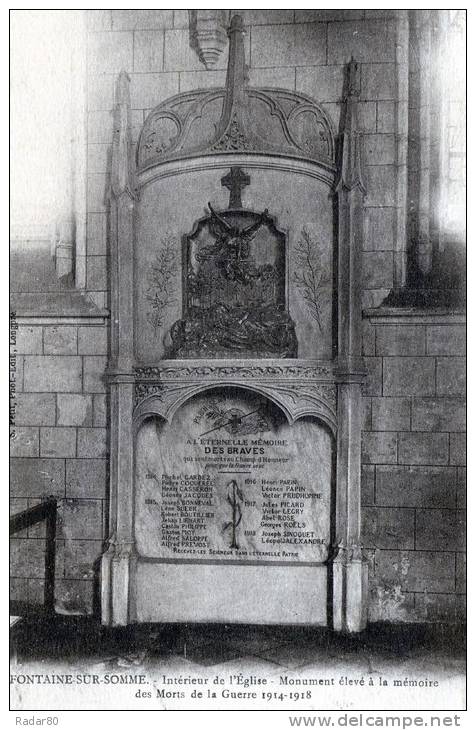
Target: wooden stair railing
(46,510)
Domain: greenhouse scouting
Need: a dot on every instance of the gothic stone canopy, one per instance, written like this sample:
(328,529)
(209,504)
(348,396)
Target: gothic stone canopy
(254,120)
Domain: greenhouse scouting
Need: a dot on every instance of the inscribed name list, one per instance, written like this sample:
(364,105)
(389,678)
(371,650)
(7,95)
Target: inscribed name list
(231,479)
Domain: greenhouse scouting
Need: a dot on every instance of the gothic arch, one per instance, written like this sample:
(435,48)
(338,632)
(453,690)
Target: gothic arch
(294,400)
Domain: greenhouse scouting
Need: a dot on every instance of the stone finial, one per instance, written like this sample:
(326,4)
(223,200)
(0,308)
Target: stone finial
(121,168)
(237,74)
(352,86)
(350,164)
(233,128)
(208,34)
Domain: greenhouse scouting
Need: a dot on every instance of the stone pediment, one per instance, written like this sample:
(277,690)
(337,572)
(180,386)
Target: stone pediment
(273,121)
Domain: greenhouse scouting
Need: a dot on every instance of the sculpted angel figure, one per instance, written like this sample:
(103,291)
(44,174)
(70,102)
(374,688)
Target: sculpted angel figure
(232,247)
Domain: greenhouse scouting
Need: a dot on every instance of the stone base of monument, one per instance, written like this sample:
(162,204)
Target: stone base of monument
(249,594)
(350,595)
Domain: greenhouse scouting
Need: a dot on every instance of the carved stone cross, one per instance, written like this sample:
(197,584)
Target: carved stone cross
(236,180)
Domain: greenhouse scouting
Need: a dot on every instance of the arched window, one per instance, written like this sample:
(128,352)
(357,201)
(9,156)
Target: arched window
(453,168)
(48,140)
(436,161)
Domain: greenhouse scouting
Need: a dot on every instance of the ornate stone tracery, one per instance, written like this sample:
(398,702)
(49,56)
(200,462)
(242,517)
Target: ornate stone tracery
(302,132)
(263,121)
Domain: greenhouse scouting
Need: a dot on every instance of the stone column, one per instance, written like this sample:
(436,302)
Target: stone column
(79,145)
(117,593)
(401,127)
(349,570)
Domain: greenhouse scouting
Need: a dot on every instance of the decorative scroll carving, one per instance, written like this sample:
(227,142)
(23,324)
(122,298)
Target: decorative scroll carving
(326,391)
(143,390)
(163,136)
(307,128)
(240,372)
(258,120)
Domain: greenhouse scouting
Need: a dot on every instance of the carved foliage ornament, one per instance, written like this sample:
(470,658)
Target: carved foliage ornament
(162,281)
(311,274)
(144,390)
(234,139)
(242,372)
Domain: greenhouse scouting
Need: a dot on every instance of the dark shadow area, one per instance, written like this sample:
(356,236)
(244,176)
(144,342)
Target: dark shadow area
(82,639)
(332,538)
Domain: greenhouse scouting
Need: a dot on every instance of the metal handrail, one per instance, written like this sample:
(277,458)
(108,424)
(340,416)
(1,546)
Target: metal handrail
(46,510)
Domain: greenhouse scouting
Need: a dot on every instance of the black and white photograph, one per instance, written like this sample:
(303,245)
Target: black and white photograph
(237,363)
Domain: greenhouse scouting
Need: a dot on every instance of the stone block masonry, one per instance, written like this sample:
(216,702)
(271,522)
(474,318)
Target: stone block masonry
(59,448)
(413,453)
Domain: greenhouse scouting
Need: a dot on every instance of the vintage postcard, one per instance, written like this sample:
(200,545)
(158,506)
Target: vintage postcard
(237,362)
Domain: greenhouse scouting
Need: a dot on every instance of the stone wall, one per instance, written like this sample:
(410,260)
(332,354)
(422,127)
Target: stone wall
(413,441)
(413,471)
(59,448)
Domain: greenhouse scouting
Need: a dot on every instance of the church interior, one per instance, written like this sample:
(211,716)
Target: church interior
(253,262)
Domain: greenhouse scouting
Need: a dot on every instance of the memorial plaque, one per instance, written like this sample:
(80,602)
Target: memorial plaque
(230,479)
(235,372)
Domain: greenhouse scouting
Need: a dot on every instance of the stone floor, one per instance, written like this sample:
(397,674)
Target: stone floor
(303,668)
